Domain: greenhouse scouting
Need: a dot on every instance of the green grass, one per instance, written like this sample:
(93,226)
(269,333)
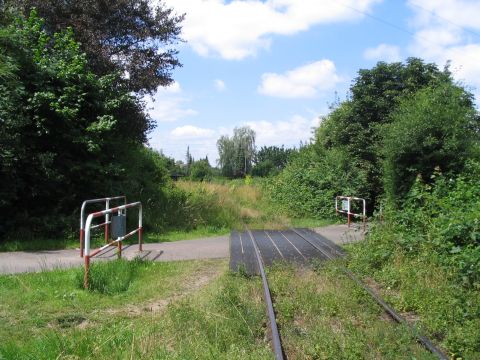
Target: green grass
(311,223)
(176,235)
(193,310)
(177,310)
(323,315)
(29,243)
(421,288)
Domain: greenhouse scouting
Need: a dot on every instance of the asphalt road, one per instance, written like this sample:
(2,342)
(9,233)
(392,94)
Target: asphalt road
(34,261)
(205,248)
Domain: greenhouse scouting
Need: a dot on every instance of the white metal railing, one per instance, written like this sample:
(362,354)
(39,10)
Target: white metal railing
(346,208)
(107,217)
(88,227)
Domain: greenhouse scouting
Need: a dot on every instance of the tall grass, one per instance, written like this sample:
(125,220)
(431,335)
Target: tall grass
(110,277)
(227,205)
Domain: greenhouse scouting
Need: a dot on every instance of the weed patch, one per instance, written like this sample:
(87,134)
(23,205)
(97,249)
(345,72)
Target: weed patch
(110,277)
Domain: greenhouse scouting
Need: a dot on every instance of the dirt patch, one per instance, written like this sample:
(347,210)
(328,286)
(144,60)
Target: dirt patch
(190,285)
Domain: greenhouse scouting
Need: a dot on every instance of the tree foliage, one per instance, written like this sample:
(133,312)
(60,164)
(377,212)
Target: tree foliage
(64,130)
(126,36)
(236,154)
(201,170)
(310,182)
(269,160)
(435,128)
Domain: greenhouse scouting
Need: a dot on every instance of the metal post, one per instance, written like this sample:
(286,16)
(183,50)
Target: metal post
(82,237)
(87,269)
(107,218)
(119,249)
(140,228)
(348,212)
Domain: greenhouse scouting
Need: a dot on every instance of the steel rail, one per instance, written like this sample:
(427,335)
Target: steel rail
(277,344)
(396,316)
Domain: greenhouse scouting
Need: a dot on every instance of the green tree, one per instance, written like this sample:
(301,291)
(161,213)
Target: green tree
(355,125)
(270,160)
(131,37)
(236,154)
(188,161)
(63,129)
(309,183)
(201,170)
(437,127)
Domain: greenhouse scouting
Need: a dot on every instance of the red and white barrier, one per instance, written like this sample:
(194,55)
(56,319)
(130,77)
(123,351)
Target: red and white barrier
(88,227)
(104,224)
(346,208)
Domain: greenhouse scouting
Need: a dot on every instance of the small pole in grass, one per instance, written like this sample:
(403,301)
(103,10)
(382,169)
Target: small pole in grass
(82,237)
(87,269)
(119,249)
(140,230)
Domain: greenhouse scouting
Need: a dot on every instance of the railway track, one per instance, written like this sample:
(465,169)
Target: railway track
(253,250)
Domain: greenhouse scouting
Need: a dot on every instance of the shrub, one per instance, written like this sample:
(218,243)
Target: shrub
(309,183)
(110,277)
(436,127)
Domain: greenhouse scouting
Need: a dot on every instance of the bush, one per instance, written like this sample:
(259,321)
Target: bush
(436,127)
(201,170)
(309,183)
(427,256)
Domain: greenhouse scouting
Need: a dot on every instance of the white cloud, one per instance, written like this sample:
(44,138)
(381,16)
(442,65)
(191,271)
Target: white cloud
(303,82)
(191,132)
(459,13)
(173,88)
(219,84)
(444,32)
(167,104)
(289,132)
(383,52)
(237,29)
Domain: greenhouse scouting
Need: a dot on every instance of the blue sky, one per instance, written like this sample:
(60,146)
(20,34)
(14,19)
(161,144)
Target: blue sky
(275,65)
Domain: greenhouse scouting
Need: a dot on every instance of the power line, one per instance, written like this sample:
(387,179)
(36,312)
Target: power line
(444,19)
(395,26)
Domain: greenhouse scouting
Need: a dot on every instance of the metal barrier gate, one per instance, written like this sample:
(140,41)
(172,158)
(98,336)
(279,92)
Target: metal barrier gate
(346,208)
(88,227)
(107,217)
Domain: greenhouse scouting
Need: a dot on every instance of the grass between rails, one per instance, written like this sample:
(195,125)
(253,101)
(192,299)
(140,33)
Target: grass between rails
(193,309)
(424,291)
(323,315)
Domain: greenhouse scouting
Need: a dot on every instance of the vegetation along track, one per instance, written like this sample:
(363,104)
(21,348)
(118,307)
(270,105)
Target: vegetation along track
(324,250)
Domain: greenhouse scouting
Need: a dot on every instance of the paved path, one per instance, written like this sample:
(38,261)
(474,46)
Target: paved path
(206,248)
(341,234)
(26,261)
